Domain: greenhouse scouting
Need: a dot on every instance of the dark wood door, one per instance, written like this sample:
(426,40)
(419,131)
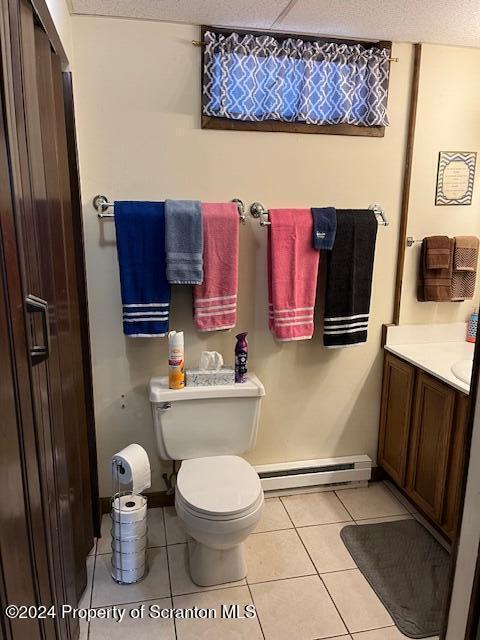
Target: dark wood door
(430,444)
(396,409)
(58,230)
(47,337)
(26,573)
(18,580)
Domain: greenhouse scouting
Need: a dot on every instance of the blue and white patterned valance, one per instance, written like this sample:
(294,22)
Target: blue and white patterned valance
(259,77)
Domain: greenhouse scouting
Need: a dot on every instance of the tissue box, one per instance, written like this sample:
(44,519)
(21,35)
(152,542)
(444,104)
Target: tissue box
(199,378)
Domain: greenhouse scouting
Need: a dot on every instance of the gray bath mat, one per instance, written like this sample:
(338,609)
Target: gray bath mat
(407,568)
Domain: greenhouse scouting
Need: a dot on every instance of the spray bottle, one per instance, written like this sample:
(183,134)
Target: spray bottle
(472,326)
(176,360)
(241,357)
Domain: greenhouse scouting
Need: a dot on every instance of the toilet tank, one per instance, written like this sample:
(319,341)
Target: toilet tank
(205,421)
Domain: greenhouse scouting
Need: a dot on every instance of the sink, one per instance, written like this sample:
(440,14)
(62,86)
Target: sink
(462,369)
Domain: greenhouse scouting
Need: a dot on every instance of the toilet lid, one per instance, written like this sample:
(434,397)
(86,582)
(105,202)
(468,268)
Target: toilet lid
(218,485)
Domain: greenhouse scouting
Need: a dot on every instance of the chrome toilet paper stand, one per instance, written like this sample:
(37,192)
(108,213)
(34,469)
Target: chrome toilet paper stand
(117,493)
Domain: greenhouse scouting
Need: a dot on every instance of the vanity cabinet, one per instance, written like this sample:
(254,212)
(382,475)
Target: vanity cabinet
(395,418)
(422,438)
(430,435)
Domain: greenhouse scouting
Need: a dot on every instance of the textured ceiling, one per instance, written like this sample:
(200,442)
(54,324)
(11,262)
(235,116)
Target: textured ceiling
(437,21)
(252,13)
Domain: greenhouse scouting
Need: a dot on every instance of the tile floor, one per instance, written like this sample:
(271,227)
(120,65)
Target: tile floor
(301,579)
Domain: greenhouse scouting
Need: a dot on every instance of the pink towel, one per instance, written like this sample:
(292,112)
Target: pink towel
(292,274)
(215,301)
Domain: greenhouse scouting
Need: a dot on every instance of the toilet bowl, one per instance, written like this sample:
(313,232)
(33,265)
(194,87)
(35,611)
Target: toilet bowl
(219,499)
(218,495)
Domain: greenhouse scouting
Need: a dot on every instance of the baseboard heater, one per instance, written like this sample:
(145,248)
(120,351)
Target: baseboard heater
(317,474)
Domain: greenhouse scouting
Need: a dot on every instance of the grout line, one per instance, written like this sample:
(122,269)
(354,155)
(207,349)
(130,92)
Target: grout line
(286,511)
(127,604)
(91,589)
(219,587)
(93,581)
(335,604)
(324,524)
(304,575)
(164,527)
(344,505)
(322,582)
(404,516)
(258,617)
(170,585)
(319,576)
(257,533)
(313,490)
(326,573)
(318,524)
(402,501)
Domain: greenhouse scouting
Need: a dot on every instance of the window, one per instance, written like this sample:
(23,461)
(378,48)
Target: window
(275,82)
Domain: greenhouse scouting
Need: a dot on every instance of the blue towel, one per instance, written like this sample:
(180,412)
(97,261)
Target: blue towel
(140,228)
(324,228)
(184,241)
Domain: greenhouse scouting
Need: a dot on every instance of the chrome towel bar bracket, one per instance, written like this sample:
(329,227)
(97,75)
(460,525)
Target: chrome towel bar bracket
(101,204)
(257,210)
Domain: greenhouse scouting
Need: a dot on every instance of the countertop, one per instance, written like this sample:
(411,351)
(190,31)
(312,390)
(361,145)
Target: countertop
(436,358)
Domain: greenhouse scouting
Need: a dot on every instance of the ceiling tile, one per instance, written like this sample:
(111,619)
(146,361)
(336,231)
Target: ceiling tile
(244,13)
(435,21)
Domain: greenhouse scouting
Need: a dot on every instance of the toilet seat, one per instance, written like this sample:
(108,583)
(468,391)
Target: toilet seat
(218,488)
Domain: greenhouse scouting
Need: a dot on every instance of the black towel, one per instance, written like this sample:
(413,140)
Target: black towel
(349,279)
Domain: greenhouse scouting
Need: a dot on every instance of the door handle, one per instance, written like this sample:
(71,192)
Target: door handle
(39,353)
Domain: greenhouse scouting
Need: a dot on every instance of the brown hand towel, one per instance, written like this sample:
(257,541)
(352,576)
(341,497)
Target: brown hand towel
(465,258)
(438,252)
(435,284)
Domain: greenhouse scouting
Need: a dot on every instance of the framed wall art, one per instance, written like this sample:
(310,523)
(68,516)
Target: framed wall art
(455,176)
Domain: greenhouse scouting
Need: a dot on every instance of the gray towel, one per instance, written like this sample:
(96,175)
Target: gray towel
(184,241)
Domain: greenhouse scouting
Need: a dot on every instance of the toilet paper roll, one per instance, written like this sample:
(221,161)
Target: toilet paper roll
(129,531)
(128,576)
(131,465)
(128,561)
(129,508)
(129,546)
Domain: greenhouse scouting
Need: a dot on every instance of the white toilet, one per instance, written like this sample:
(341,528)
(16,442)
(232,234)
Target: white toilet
(218,495)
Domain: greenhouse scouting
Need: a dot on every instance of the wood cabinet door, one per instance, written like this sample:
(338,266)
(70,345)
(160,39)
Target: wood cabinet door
(395,417)
(430,444)
(451,506)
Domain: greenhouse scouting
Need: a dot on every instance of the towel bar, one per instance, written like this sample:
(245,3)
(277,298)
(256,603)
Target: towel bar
(101,204)
(257,210)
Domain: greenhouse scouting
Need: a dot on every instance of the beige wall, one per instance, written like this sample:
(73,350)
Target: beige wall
(63,22)
(448,119)
(137,88)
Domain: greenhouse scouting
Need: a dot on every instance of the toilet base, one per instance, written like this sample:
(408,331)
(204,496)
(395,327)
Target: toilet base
(210,567)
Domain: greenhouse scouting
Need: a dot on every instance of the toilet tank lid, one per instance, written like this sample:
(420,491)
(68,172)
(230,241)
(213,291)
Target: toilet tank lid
(159,391)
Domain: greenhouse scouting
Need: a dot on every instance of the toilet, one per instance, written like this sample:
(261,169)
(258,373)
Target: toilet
(218,495)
